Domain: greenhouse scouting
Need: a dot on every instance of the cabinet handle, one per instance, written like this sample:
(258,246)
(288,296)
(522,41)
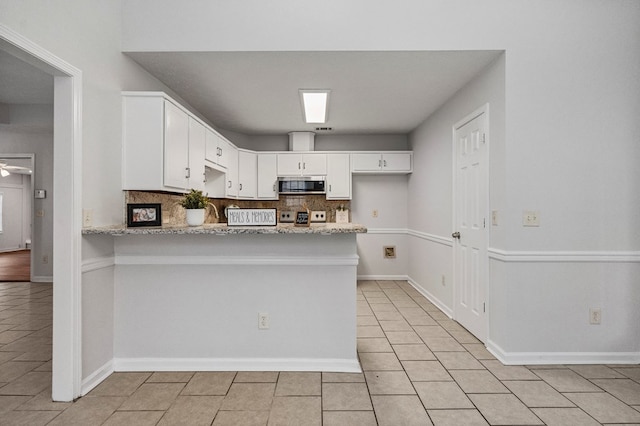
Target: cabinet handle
(379,163)
(219,152)
(384,162)
(329,187)
(187,171)
(304,165)
(240,187)
(204,177)
(298,165)
(229,184)
(274,187)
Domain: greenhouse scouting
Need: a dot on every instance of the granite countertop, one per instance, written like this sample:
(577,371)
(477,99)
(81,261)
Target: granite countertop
(223,229)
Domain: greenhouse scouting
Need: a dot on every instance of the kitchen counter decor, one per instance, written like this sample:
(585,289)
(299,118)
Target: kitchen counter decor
(195,202)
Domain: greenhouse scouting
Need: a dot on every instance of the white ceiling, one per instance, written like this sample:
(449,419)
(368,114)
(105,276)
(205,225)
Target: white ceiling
(22,83)
(256,93)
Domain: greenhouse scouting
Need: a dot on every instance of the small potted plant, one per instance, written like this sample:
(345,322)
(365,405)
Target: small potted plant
(195,202)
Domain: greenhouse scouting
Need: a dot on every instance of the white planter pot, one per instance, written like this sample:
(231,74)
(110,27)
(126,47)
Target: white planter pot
(195,217)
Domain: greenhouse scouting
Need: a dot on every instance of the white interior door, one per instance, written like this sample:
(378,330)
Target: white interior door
(470,235)
(13,216)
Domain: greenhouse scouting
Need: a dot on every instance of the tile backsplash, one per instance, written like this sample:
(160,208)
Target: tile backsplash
(174,214)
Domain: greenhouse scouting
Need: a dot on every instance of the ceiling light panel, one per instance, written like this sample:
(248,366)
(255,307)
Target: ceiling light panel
(315,105)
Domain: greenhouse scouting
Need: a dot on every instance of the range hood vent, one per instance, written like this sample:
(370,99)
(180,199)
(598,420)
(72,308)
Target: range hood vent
(301,141)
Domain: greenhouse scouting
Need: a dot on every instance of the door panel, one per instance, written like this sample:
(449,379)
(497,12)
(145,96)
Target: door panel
(470,249)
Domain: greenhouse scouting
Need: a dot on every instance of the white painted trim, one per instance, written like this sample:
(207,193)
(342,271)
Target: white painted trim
(237,364)
(96,263)
(67,208)
(96,377)
(41,279)
(565,256)
(444,308)
(393,231)
(237,261)
(431,237)
(542,358)
(383,277)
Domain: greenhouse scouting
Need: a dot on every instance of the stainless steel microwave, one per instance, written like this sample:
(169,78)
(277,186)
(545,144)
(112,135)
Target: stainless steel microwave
(302,185)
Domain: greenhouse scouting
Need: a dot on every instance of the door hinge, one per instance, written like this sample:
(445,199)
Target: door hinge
(484,138)
(484,222)
(484,307)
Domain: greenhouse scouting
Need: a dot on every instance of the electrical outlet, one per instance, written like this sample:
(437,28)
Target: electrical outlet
(530,218)
(87,217)
(263,321)
(494,217)
(595,316)
(374,213)
(389,252)
(45,259)
(40,213)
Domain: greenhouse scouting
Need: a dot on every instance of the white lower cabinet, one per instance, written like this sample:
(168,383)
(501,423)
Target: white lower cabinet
(232,185)
(247,174)
(267,177)
(338,177)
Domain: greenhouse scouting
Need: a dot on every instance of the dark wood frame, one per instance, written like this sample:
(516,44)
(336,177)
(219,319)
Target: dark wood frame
(133,222)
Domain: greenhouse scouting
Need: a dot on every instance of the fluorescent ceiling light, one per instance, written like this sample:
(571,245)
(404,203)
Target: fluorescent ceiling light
(315,105)
(4,173)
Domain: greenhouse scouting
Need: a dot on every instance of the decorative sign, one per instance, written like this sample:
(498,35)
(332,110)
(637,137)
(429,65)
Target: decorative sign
(251,217)
(302,218)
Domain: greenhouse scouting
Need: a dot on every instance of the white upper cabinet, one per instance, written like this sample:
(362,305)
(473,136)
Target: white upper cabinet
(338,176)
(232,175)
(267,176)
(197,142)
(247,174)
(176,146)
(155,147)
(298,164)
(218,149)
(382,162)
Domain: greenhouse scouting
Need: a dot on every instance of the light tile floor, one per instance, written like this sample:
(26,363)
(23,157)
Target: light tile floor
(420,368)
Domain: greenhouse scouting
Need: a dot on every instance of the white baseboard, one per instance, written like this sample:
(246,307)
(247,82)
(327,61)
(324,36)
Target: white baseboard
(237,364)
(444,308)
(542,358)
(42,279)
(383,277)
(96,378)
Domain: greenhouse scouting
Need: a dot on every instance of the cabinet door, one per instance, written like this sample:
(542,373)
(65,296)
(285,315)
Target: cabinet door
(289,164)
(232,172)
(248,174)
(338,177)
(211,147)
(197,142)
(396,162)
(366,162)
(225,154)
(176,151)
(314,164)
(267,176)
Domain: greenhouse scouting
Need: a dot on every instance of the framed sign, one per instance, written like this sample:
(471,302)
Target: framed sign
(251,217)
(144,215)
(302,218)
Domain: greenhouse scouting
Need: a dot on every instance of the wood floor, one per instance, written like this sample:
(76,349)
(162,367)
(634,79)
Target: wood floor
(15,266)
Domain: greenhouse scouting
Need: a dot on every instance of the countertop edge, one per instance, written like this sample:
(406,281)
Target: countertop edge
(223,229)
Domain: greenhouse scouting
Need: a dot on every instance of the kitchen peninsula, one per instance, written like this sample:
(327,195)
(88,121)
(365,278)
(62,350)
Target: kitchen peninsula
(217,297)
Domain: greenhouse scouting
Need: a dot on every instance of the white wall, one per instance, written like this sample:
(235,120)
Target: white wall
(388,195)
(87,35)
(30,131)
